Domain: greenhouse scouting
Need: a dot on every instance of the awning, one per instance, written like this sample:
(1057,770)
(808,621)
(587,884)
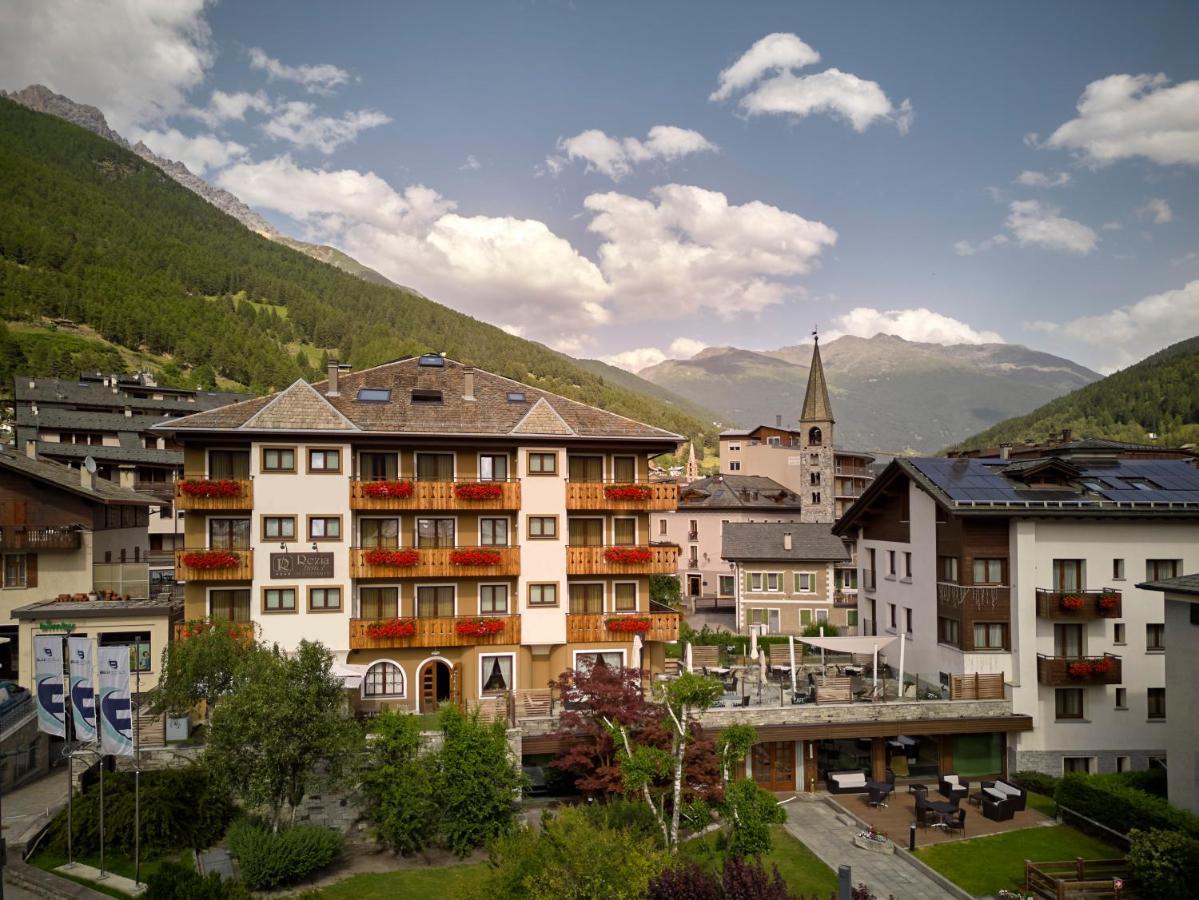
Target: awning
(350,675)
(850,644)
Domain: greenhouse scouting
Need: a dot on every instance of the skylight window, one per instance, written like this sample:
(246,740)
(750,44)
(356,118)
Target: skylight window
(374,395)
(516,397)
(420,395)
(432,360)
(1142,484)
(1096,485)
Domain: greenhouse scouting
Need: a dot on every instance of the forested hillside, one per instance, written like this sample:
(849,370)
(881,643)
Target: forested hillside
(91,234)
(1159,395)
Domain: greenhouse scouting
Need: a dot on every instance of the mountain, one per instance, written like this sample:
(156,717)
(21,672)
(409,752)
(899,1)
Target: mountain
(888,394)
(41,99)
(1155,400)
(112,259)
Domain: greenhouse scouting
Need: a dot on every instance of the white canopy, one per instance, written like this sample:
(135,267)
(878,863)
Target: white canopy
(350,675)
(850,644)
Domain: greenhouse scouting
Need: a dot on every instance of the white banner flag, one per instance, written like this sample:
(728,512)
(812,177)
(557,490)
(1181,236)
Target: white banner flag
(83,688)
(116,726)
(48,678)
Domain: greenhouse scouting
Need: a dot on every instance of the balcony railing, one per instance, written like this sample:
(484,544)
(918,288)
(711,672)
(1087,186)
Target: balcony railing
(447,631)
(594,627)
(1079,671)
(622,495)
(409,493)
(654,560)
(214,494)
(214,565)
(132,578)
(841,598)
(1080,606)
(49,537)
(986,598)
(434,562)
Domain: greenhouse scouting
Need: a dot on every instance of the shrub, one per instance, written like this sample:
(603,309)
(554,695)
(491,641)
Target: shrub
(626,815)
(175,881)
(747,880)
(1151,781)
(687,881)
(1165,864)
(813,630)
(397,783)
(270,859)
(1122,808)
(752,811)
(1037,782)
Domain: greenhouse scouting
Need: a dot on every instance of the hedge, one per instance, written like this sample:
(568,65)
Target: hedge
(1109,801)
(270,859)
(1037,782)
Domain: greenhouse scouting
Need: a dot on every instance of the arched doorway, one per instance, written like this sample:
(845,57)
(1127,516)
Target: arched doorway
(435,684)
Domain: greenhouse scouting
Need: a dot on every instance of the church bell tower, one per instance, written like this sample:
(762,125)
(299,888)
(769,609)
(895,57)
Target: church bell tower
(817,466)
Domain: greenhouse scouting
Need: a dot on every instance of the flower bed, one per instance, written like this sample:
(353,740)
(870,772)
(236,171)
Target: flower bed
(627,555)
(479,627)
(478,491)
(399,490)
(400,559)
(211,559)
(202,487)
(629,624)
(628,491)
(1073,601)
(476,558)
(396,628)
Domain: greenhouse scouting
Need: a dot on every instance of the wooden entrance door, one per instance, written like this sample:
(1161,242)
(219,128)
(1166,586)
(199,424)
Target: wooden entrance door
(774,765)
(694,585)
(435,685)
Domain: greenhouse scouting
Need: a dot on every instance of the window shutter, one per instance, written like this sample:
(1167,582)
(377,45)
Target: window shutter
(30,570)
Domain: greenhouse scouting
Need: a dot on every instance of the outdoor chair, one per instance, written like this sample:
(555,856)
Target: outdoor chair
(997,810)
(1017,795)
(876,797)
(924,815)
(956,822)
(953,788)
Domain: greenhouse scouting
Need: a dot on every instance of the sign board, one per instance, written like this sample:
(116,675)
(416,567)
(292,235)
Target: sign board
(301,565)
(56,626)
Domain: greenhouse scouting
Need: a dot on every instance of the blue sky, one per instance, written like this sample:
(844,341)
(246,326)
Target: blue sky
(862,171)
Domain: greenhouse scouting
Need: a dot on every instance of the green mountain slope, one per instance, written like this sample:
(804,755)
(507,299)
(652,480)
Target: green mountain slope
(90,234)
(1159,395)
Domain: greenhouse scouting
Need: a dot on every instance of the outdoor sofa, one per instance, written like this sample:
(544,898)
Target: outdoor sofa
(847,782)
(1017,795)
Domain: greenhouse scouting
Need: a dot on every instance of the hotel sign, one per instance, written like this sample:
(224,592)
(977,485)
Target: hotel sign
(301,565)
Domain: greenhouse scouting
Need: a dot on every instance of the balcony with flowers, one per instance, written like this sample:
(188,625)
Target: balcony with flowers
(621,627)
(652,559)
(214,565)
(417,494)
(434,631)
(1079,671)
(618,496)
(434,562)
(1080,606)
(214,494)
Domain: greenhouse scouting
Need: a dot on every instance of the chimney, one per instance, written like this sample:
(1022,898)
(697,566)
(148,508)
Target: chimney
(334,370)
(128,412)
(126,476)
(85,478)
(31,449)
(786,540)
(33,408)
(1067,435)
(778,420)
(468,382)
(1005,450)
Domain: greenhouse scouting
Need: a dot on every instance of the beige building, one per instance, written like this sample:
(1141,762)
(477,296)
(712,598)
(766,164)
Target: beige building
(785,576)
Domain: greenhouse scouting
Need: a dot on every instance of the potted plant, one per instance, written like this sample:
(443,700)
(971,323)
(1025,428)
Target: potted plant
(210,559)
(1080,668)
(482,490)
(476,558)
(1109,601)
(1073,601)
(206,487)
(399,559)
(629,624)
(627,555)
(1102,666)
(628,491)
(479,626)
(398,490)
(393,628)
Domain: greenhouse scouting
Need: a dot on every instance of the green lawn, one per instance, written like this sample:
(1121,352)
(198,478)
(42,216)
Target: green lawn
(441,883)
(1046,806)
(800,867)
(986,865)
(118,864)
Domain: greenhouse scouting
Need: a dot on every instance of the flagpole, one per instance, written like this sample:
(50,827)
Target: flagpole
(137,777)
(101,812)
(67,712)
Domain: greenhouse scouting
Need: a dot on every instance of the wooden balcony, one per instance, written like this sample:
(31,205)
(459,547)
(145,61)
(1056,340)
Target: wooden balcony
(1063,671)
(214,494)
(991,599)
(434,562)
(407,493)
(639,497)
(843,599)
(205,565)
(659,560)
(39,539)
(1080,606)
(433,632)
(593,627)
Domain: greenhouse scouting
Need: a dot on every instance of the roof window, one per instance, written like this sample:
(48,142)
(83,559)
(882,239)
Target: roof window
(373,395)
(1142,484)
(432,360)
(420,395)
(516,397)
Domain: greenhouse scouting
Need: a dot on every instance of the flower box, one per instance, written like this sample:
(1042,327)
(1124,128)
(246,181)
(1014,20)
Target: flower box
(629,624)
(399,490)
(1073,601)
(210,488)
(476,558)
(400,559)
(1080,669)
(627,492)
(1109,601)
(479,627)
(396,628)
(627,555)
(1102,666)
(211,559)
(478,491)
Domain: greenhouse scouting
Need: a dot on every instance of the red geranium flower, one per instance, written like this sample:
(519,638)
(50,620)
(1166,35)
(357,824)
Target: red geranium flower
(400,559)
(478,491)
(212,559)
(476,558)
(629,624)
(479,627)
(400,490)
(1080,669)
(628,491)
(1073,601)
(201,487)
(627,555)
(395,628)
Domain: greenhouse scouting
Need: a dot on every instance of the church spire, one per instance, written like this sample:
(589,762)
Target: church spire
(816,405)
(692,463)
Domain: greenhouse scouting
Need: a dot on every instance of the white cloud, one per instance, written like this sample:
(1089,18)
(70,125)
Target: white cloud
(136,60)
(616,157)
(1123,116)
(316,79)
(572,344)
(1035,224)
(921,325)
(472,164)
(1042,326)
(1189,257)
(1031,139)
(685,348)
(644,357)
(223,107)
(1112,226)
(200,153)
(965,248)
(298,123)
(687,249)
(1157,210)
(766,72)
(1041,180)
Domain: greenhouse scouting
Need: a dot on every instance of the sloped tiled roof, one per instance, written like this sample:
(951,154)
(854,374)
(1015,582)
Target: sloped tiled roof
(301,408)
(68,479)
(542,419)
(737,492)
(765,541)
(1183,584)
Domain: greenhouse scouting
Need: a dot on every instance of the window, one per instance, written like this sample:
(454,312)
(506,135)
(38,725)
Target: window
(373,395)
(495,673)
(383,679)
(821,615)
(1118,575)
(324,528)
(435,532)
(379,533)
(1159,569)
(891,563)
(229,464)
(726,586)
(814,437)
(493,532)
(624,469)
(543,528)
(814,479)
(988,571)
(805,617)
(431,360)
(693,556)
(1068,575)
(868,572)
(624,596)
(322,461)
(14,570)
(1076,765)
(815,497)
(693,529)
(322,599)
(1155,637)
(1121,698)
(805,582)
(1123,763)
(1118,636)
(849,579)
(230,605)
(587,659)
(772,581)
(947,568)
(585,532)
(1068,703)
(493,599)
(586,599)
(140,658)
(279,528)
(907,564)
(585,468)
(435,467)
(662,526)
(378,466)
(543,595)
(424,395)
(624,532)
(907,620)
(734,448)
(278,459)
(949,631)
(493,467)
(435,601)
(851,618)
(1068,641)
(516,396)
(990,635)
(774,441)
(734,465)
(755,581)
(279,599)
(229,534)
(378,602)
(891,615)
(1157,703)
(766,617)
(543,463)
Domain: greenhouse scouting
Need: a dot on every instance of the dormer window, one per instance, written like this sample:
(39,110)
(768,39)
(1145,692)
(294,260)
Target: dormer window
(420,395)
(373,395)
(432,360)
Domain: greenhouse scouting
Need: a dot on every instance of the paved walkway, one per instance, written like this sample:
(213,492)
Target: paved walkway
(829,834)
(33,803)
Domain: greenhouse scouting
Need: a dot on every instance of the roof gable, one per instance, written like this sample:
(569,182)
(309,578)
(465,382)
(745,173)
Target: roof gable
(299,408)
(542,419)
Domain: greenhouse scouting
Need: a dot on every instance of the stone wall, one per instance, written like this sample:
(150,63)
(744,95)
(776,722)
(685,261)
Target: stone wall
(909,714)
(1102,761)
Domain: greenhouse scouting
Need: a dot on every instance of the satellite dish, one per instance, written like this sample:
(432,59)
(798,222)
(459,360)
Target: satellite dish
(89,464)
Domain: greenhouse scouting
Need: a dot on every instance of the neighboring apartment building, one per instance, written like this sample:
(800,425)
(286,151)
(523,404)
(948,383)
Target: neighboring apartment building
(785,576)
(452,533)
(1182,675)
(109,418)
(64,532)
(1027,568)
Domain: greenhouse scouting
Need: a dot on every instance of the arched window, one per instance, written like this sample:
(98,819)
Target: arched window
(383,679)
(814,437)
